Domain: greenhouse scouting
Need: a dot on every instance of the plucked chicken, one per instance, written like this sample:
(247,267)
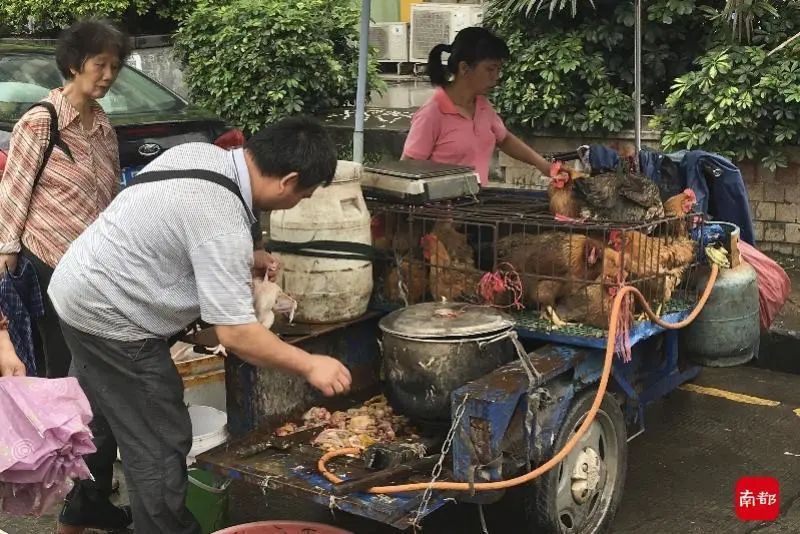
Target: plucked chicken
(269,299)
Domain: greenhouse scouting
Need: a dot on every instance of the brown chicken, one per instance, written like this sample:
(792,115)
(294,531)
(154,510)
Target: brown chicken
(589,304)
(661,261)
(561,192)
(551,265)
(393,234)
(679,206)
(450,277)
(658,262)
(454,241)
(409,278)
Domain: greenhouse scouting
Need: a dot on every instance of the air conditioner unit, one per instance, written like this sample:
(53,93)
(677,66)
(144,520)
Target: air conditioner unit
(435,23)
(391,40)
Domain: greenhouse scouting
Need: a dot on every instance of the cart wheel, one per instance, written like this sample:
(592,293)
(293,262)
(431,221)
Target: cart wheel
(582,494)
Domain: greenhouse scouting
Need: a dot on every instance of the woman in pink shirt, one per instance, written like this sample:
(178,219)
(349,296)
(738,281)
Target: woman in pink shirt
(458,124)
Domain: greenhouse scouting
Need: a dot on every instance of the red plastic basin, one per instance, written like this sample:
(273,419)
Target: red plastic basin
(282,527)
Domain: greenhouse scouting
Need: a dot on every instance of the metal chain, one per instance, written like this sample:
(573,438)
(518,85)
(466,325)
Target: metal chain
(532,373)
(437,469)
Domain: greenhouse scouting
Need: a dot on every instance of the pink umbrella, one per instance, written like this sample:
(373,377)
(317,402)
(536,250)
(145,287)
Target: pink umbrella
(47,422)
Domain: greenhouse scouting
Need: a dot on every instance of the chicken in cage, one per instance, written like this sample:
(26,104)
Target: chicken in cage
(509,251)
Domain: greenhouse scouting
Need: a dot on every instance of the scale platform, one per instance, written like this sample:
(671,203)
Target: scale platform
(418,181)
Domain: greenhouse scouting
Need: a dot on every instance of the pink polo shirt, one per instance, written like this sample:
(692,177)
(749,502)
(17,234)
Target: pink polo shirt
(440,133)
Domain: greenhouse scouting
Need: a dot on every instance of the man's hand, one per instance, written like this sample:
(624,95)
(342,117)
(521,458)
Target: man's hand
(328,375)
(8,261)
(10,364)
(258,346)
(264,265)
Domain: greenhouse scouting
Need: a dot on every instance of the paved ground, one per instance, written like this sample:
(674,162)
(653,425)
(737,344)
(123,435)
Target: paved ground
(680,476)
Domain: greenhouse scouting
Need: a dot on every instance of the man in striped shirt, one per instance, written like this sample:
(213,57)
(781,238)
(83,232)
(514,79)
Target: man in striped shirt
(171,248)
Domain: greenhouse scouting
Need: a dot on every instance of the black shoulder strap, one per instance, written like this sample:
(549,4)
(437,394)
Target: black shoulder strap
(53,141)
(191,174)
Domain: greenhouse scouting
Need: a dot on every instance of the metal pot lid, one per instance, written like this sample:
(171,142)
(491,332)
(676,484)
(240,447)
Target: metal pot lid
(445,319)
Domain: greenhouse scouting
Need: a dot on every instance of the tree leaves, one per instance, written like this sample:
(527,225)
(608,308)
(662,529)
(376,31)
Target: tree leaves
(255,61)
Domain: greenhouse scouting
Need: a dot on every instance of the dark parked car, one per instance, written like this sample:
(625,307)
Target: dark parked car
(148,117)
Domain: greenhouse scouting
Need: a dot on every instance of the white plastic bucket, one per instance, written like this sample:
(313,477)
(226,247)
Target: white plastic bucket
(208,429)
(328,290)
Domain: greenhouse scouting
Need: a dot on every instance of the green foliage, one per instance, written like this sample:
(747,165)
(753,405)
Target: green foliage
(44,18)
(739,102)
(555,82)
(576,72)
(40,16)
(255,61)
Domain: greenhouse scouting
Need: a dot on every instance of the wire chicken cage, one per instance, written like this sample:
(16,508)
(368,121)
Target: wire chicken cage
(506,250)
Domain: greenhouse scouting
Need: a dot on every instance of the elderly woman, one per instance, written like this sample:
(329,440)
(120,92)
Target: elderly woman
(458,124)
(46,202)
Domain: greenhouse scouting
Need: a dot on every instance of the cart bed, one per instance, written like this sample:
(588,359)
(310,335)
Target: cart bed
(294,472)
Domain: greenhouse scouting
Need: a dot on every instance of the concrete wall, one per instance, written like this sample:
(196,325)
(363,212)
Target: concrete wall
(775,204)
(160,64)
(514,173)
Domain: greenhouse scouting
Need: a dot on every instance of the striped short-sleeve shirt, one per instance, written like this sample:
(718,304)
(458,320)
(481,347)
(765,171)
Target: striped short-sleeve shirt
(163,254)
(71,192)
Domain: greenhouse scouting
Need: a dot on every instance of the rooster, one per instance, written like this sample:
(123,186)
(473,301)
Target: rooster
(269,299)
(560,192)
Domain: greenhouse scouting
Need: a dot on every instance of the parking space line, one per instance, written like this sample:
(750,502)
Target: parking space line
(730,395)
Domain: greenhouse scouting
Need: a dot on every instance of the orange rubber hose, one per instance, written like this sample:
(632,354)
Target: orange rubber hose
(555,460)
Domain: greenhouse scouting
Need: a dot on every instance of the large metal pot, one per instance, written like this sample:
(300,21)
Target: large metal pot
(431,349)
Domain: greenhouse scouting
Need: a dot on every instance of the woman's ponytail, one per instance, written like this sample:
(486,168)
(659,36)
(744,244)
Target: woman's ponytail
(436,69)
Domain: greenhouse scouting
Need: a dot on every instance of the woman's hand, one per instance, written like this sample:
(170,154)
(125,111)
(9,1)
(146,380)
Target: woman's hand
(8,261)
(10,364)
(517,149)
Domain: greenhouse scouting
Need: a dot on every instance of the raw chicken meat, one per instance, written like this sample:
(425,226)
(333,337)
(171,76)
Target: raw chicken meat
(268,299)
(372,422)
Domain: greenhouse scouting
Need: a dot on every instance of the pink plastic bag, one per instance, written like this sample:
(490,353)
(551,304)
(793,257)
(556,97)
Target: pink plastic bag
(774,285)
